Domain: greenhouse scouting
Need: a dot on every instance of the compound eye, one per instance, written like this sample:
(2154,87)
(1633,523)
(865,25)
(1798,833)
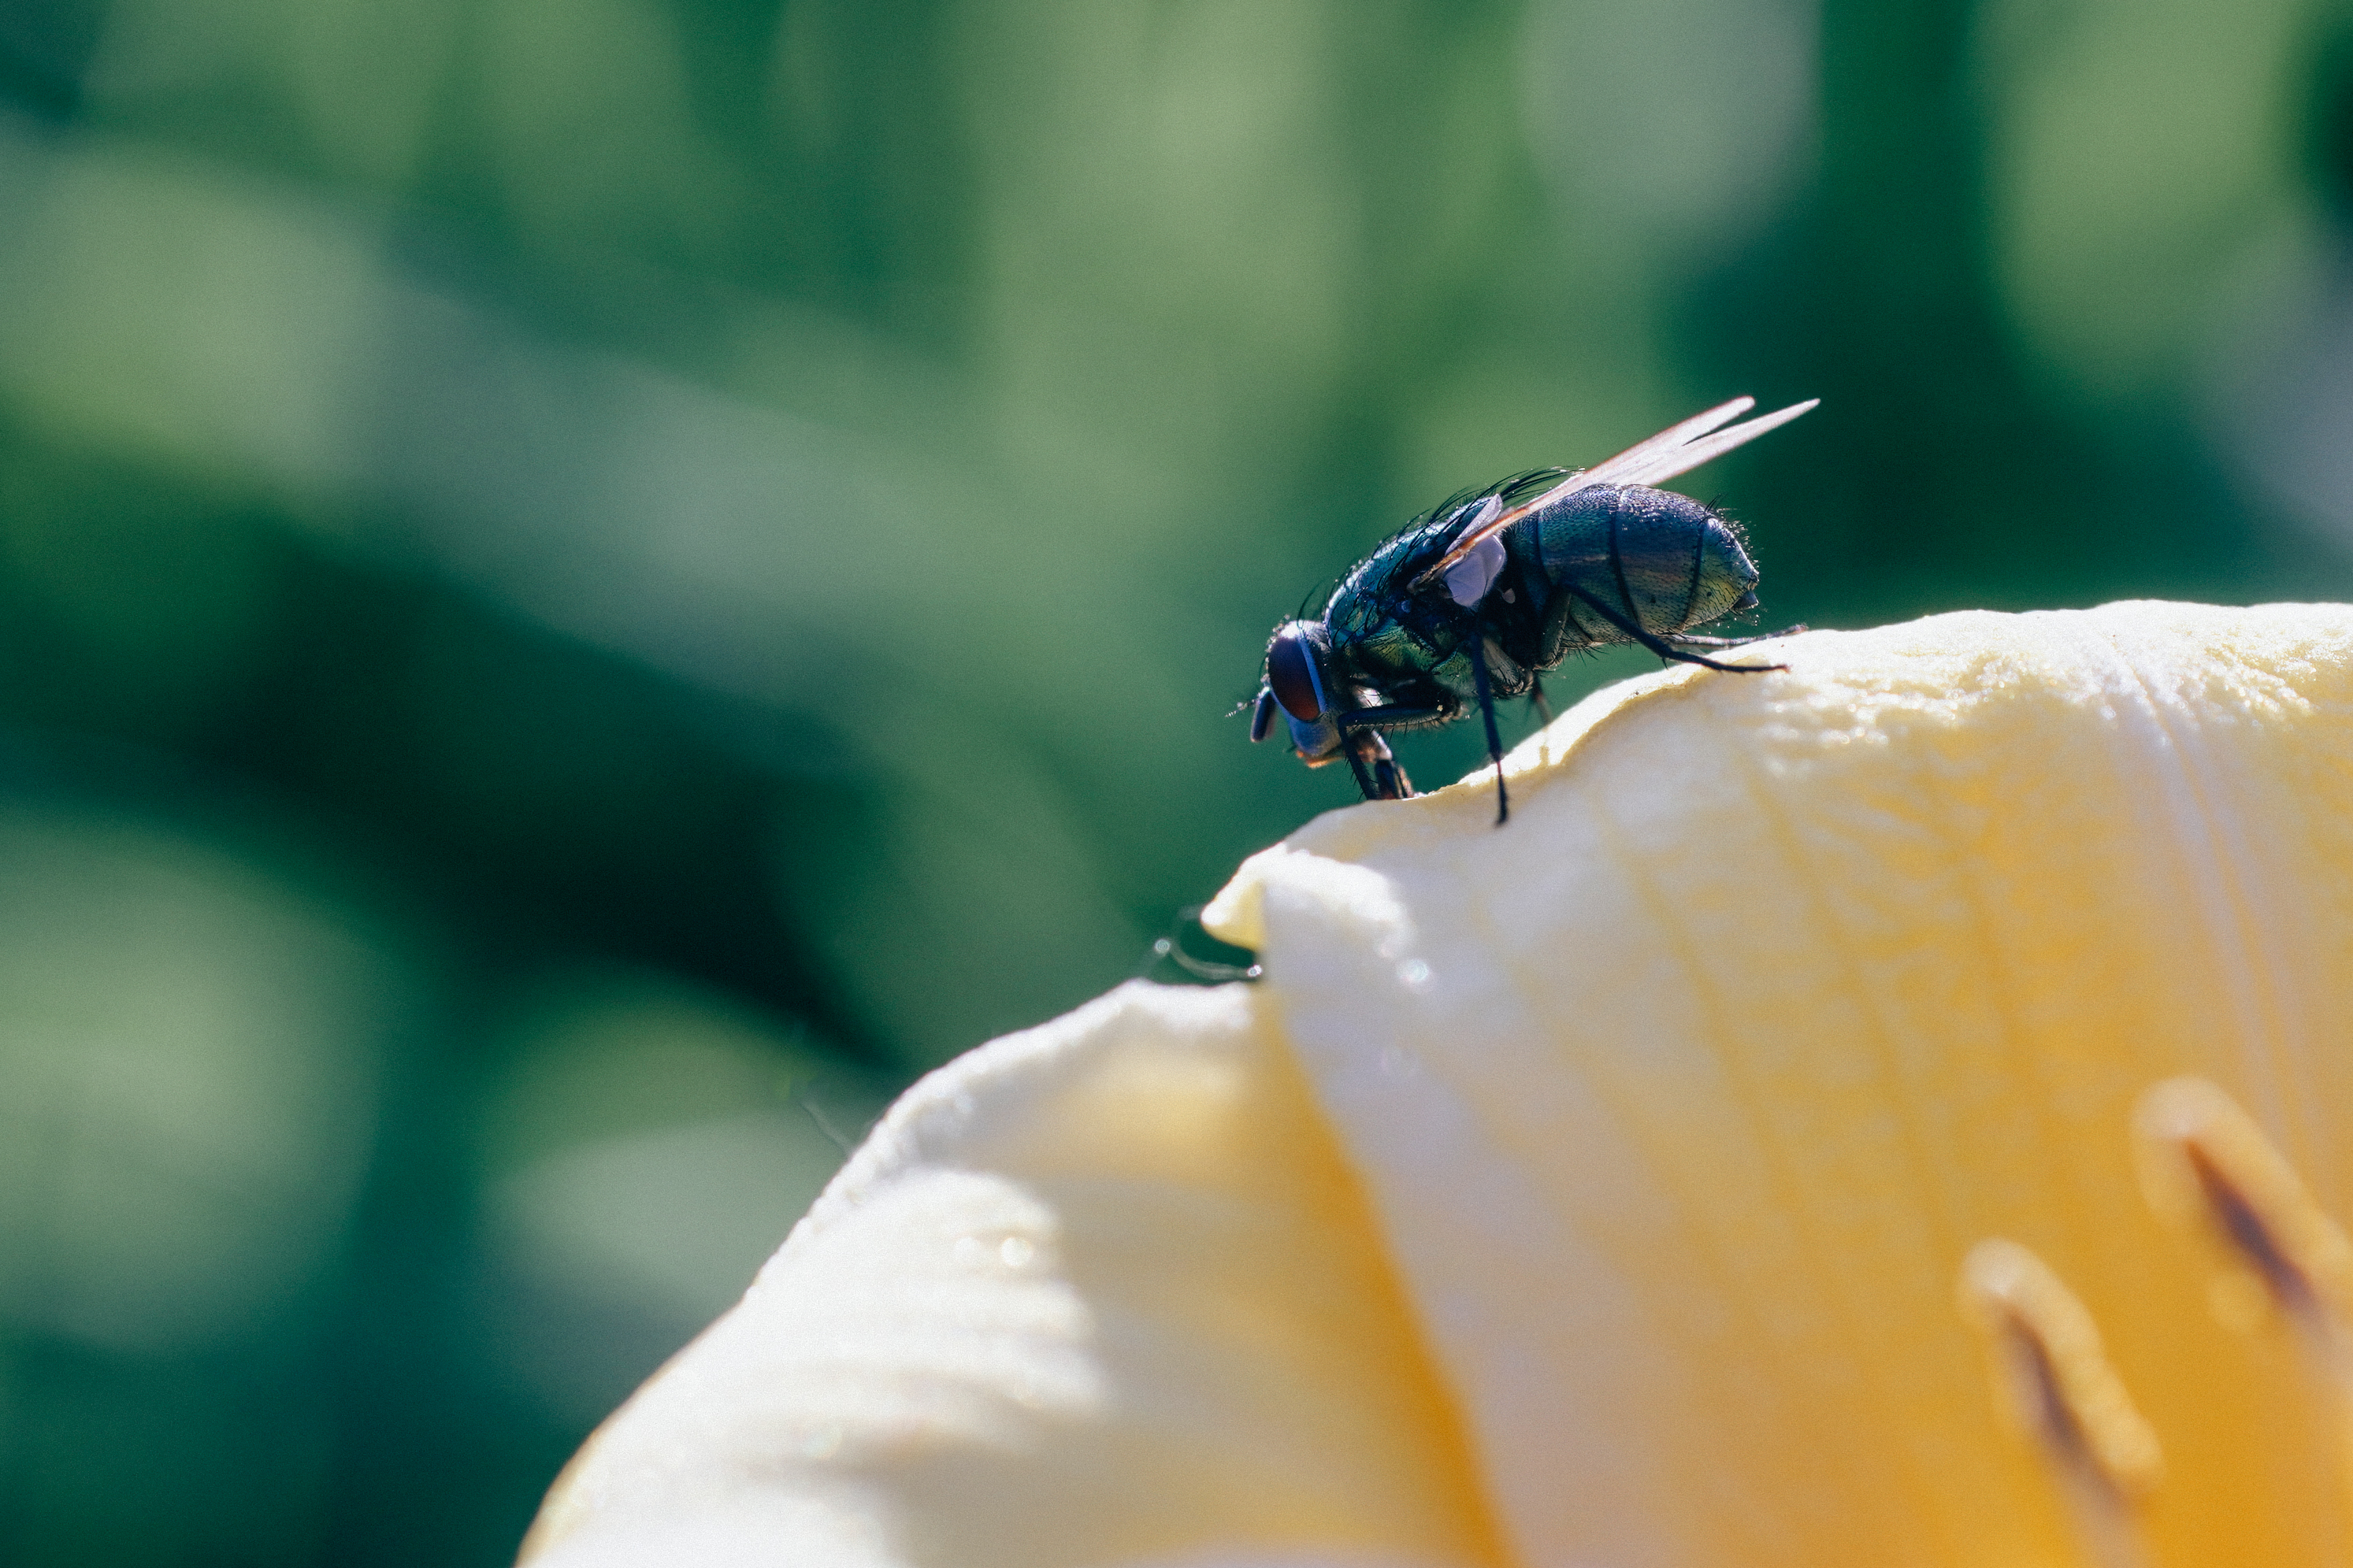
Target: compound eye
(1291,675)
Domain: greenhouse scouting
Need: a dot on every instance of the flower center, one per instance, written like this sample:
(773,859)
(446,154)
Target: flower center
(2205,1164)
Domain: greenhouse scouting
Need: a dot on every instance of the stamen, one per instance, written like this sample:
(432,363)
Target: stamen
(2052,1379)
(2204,1162)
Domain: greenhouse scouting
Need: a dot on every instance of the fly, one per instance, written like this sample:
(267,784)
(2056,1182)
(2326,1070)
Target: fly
(1474,602)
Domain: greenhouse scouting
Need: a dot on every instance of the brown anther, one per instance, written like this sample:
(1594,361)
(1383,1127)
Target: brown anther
(2203,1161)
(2051,1373)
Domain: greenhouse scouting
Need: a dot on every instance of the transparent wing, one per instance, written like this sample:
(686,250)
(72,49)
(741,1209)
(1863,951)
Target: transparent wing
(1682,460)
(1677,449)
(1642,453)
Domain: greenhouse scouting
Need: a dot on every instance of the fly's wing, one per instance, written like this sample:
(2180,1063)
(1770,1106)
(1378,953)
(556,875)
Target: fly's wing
(1677,449)
(1665,465)
(1667,440)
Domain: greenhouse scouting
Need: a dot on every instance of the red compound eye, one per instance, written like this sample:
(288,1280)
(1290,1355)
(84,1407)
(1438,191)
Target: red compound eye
(1291,674)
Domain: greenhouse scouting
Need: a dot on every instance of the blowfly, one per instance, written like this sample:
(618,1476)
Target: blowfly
(1472,603)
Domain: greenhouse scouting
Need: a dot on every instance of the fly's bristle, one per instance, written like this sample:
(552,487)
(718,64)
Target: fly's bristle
(2053,1380)
(2204,1162)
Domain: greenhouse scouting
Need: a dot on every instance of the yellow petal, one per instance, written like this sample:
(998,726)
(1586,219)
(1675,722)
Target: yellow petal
(1094,1294)
(1684,1098)
(1668,1118)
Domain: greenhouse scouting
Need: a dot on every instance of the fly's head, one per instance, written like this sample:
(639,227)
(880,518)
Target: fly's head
(1300,670)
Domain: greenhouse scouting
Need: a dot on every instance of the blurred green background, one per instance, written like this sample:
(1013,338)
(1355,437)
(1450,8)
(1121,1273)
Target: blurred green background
(588,586)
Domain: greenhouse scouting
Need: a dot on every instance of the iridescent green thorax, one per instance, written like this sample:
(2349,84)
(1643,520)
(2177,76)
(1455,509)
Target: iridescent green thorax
(1380,625)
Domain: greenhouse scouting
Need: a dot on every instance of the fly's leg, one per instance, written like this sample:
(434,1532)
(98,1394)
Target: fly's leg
(1536,698)
(1391,718)
(1377,774)
(1378,771)
(1494,737)
(1687,640)
(1388,774)
(1663,649)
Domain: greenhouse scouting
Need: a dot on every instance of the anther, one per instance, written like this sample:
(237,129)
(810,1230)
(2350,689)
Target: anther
(2053,1379)
(2204,1162)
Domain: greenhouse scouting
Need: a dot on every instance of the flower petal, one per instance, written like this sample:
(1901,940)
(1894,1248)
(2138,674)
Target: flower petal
(1683,1096)
(1098,1293)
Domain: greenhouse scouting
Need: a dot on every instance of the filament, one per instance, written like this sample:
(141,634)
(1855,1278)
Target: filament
(2053,1381)
(2204,1162)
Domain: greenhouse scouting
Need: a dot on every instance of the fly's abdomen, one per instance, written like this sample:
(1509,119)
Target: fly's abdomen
(1659,559)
